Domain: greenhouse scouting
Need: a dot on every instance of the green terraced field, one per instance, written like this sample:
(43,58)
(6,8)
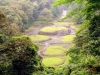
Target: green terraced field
(52,52)
(55,50)
(37,38)
(68,38)
(52,61)
(52,29)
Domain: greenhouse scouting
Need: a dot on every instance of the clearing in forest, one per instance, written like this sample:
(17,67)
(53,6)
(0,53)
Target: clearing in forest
(53,42)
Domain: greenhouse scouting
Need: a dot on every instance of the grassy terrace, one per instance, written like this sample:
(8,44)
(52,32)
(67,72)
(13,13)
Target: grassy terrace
(57,51)
(68,38)
(54,50)
(52,29)
(55,55)
(38,38)
(52,61)
(35,38)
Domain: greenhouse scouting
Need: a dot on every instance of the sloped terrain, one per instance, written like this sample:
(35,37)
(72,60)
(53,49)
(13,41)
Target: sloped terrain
(55,41)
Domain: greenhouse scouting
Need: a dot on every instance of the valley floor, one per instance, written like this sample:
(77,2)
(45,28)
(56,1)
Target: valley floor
(53,41)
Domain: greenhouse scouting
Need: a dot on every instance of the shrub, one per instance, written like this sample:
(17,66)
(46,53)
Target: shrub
(21,55)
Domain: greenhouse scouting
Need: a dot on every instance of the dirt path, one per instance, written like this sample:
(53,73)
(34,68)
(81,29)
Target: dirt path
(40,52)
(72,31)
(35,31)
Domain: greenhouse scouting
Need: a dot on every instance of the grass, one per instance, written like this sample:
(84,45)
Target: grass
(0,34)
(71,24)
(37,38)
(56,47)
(55,50)
(68,38)
(67,60)
(52,61)
(52,29)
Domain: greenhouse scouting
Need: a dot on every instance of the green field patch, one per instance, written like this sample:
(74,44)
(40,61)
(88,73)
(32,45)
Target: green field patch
(52,61)
(55,50)
(56,47)
(68,38)
(38,38)
(35,38)
(52,29)
(67,60)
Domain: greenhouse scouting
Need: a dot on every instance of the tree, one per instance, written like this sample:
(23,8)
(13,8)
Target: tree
(18,55)
(85,55)
(21,56)
(46,15)
(6,28)
(73,7)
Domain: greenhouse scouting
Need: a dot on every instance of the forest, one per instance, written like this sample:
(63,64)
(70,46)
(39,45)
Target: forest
(49,37)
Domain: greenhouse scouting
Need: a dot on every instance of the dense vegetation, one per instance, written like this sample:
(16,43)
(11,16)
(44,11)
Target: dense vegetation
(18,54)
(85,54)
(26,12)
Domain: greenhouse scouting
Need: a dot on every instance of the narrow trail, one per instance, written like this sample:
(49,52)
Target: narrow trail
(40,52)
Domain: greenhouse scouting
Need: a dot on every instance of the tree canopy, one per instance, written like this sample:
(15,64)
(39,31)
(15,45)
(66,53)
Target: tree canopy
(85,53)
